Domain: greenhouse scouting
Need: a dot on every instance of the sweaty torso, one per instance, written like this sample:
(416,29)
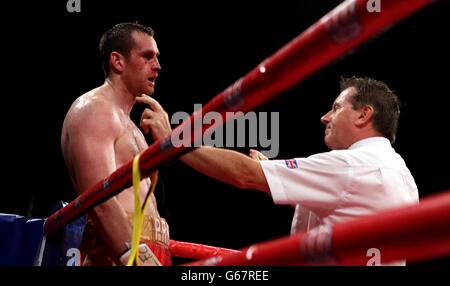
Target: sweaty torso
(128,142)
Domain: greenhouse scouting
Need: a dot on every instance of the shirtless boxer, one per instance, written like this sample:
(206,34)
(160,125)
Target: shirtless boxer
(98,137)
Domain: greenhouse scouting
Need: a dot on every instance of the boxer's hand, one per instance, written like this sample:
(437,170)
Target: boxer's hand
(155,118)
(256,155)
(146,256)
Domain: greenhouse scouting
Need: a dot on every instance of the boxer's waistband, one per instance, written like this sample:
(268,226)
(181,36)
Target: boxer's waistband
(154,229)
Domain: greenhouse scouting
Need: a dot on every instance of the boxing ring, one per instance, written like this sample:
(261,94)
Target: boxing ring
(416,233)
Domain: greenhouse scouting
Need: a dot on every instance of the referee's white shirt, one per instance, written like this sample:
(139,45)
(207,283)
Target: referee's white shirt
(340,185)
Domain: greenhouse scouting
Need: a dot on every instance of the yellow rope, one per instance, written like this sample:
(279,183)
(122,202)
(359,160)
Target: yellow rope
(138,217)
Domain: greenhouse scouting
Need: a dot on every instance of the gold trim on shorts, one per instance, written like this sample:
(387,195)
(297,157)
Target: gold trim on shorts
(154,229)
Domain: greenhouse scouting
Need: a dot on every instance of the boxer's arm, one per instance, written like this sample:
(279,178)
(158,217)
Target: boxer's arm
(91,157)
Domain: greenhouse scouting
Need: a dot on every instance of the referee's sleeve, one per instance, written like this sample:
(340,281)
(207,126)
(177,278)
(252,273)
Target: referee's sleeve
(318,181)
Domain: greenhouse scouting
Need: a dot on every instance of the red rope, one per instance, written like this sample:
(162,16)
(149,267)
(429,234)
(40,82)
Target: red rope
(341,30)
(197,251)
(414,233)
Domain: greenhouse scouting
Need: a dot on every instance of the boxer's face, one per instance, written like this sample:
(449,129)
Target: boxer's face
(142,66)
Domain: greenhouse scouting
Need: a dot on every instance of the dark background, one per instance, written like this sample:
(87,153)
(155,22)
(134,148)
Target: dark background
(52,57)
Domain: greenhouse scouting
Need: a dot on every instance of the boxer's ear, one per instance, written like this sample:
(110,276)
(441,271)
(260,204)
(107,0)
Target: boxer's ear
(117,61)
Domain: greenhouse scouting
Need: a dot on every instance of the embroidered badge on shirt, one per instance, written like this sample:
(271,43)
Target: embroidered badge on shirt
(291,164)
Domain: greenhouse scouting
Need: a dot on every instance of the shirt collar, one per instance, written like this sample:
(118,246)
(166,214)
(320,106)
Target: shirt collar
(380,141)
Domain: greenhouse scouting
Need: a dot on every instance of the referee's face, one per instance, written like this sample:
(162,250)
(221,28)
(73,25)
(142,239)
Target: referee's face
(339,121)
